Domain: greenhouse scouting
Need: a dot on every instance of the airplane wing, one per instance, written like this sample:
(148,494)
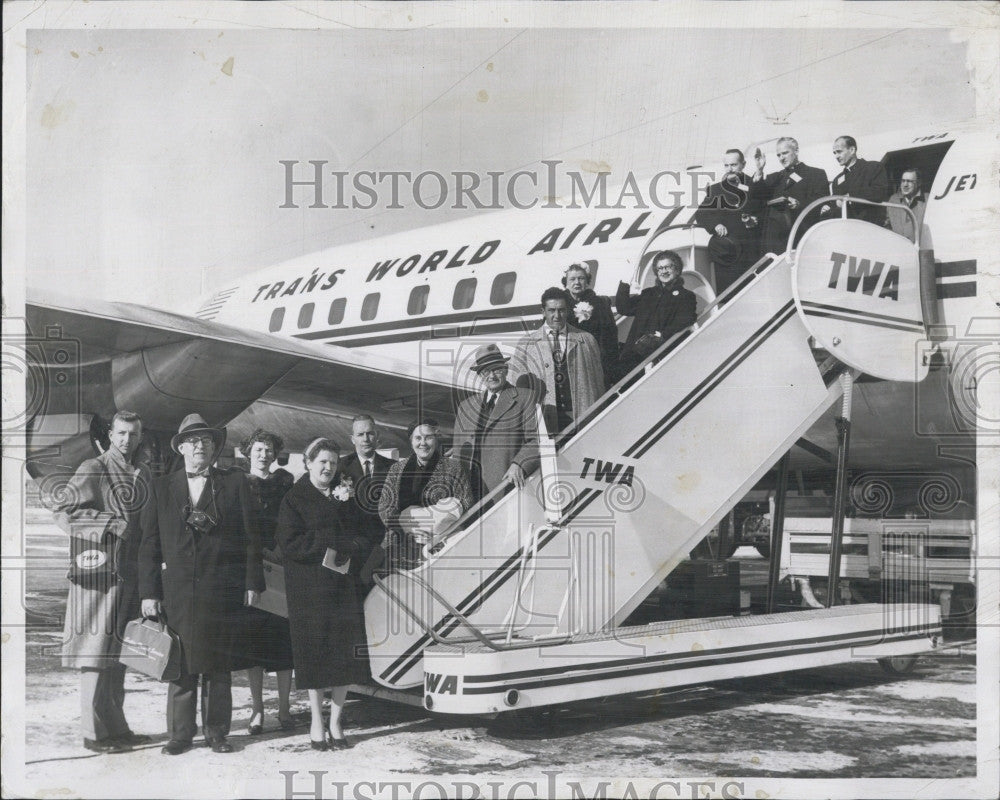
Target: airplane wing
(165,365)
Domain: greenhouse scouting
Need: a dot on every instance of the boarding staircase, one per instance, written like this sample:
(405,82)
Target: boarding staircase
(624,496)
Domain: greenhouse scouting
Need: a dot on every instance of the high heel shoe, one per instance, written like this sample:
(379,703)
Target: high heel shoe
(340,743)
(319,745)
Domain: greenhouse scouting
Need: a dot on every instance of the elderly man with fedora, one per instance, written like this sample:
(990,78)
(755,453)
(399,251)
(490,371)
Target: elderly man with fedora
(199,566)
(496,435)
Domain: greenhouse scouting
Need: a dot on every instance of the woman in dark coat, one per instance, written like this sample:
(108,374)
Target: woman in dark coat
(316,516)
(592,313)
(660,311)
(268,636)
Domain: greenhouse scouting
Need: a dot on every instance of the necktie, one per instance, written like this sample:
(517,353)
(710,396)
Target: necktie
(562,393)
(557,353)
(368,468)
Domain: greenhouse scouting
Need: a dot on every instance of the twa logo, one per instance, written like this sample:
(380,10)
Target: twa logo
(91,559)
(442,684)
(607,471)
(866,275)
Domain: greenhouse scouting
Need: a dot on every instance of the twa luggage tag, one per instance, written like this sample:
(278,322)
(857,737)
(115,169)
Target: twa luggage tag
(857,289)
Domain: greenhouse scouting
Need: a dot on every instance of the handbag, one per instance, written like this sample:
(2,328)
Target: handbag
(273,599)
(93,554)
(150,647)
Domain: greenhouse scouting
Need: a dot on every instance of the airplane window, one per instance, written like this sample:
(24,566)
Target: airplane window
(465,293)
(503,288)
(369,306)
(306,315)
(418,300)
(337,311)
(277,317)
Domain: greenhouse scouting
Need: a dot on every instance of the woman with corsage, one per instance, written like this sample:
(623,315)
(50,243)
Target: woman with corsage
(269,639)
(592,313)
(318,535)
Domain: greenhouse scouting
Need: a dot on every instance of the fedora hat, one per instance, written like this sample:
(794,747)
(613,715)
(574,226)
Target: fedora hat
(487,357)
(195,423)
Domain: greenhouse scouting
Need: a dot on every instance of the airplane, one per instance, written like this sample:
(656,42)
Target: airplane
(367,318)
(389,326)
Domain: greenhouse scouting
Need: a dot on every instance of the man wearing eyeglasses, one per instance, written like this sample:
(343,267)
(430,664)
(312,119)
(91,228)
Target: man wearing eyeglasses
(910,195)
(199,566)
(496,435)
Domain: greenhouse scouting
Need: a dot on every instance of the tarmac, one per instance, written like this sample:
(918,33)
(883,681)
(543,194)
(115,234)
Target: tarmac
(851,721)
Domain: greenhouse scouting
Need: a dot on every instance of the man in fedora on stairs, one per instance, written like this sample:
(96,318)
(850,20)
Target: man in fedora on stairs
(496,435)
(199,566)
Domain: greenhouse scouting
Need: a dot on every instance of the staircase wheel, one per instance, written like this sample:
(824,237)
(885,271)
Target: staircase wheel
(898,665)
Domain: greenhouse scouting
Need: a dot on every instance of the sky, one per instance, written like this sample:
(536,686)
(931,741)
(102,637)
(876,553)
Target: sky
(153,155)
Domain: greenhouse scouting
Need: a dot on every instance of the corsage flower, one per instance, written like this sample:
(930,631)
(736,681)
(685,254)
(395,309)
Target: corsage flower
(344,490)
(583,310)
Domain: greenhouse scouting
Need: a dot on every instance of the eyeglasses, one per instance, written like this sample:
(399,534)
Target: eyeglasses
(202,440)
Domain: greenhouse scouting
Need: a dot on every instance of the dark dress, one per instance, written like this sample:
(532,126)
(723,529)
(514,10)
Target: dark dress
(323,611)
(601,326)
(269,642)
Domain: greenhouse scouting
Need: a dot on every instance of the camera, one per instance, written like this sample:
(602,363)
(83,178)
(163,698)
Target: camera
(199,521)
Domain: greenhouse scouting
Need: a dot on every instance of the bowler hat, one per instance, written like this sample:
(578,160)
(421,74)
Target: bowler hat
(724,251)
(195,423)
(487,357)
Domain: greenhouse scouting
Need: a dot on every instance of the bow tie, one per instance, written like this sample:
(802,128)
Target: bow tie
(201,474)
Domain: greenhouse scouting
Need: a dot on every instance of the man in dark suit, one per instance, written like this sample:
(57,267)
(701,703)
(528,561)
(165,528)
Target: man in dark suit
(496,432)
(859,178)
(732,219)
(199,566)
(368,470)
(786,193)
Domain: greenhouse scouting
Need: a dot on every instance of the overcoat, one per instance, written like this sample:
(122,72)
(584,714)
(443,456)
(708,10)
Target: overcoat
(323,611)
(367,492)
(533,355)
(663,309)
(726,204)
(901,222)
(601,326)
(802,182)
(448,479)
(867,180)
(510,435)
(202,578)
(106,493)
(269,643)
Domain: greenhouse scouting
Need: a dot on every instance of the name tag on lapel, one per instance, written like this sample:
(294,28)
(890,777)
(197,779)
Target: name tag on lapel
(794,177)
(840,179)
